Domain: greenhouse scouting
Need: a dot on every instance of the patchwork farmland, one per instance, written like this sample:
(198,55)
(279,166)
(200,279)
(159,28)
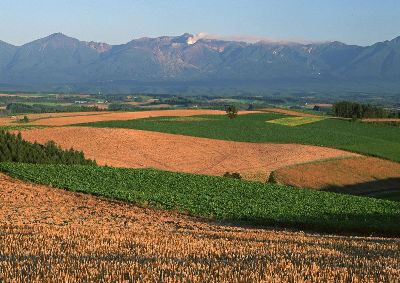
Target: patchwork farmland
(131,218)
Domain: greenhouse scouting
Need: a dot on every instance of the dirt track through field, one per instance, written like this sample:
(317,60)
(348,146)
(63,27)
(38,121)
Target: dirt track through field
(138,149)
(51,235)
(111,116)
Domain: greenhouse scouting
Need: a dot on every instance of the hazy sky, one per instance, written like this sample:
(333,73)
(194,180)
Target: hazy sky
(352,21)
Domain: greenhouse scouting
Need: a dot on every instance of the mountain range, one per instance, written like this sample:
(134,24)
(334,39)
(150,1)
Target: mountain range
(59,60)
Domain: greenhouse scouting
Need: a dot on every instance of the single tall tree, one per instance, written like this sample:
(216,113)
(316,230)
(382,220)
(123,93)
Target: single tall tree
(231,111)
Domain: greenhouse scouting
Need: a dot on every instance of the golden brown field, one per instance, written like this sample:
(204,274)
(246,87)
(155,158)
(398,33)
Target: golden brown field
(68,118)
(138,149)
(50,235)
(111,116)
(359,175)
(34,117)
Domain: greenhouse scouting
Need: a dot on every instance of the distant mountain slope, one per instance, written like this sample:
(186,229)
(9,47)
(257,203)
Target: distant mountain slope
(59,59)
(381,60)
(7,52)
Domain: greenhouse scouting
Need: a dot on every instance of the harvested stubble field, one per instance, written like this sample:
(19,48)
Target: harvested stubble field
(138,149)
(50,235)
(113,116)
(369,176)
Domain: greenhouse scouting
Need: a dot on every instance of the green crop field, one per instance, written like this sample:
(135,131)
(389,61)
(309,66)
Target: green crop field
(221,198)
(369,139)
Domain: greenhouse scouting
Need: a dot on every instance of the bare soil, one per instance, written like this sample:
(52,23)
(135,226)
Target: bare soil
(138,149)
(51,235)
(362,175)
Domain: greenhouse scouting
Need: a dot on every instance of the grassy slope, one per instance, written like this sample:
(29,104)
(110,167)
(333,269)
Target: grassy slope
(368,139)
(221,198)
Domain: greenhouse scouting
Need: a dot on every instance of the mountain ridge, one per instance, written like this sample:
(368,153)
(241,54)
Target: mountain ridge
(59,59)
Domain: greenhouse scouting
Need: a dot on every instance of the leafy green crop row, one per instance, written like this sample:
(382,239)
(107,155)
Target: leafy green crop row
(221,198)
(370,139)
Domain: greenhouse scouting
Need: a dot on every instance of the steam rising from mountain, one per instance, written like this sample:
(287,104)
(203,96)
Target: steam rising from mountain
(241,38)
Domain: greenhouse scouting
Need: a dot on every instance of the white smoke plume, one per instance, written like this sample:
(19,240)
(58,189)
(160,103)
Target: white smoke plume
(195,38)
(242,38)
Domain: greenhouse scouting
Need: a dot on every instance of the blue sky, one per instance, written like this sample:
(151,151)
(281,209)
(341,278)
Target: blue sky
(352,21)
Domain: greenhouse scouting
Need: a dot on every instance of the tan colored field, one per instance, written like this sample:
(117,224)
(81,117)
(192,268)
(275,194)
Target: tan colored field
(375,120)
(68,118)
(35,117)
(288,112)
(110,116)
(362,175)
(48,234)
(136,148)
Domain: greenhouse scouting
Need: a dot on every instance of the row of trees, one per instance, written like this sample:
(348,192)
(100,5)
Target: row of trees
(15,108)
(14,149)
(355,110)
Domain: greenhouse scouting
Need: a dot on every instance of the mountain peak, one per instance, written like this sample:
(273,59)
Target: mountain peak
(184,38)
(57,35)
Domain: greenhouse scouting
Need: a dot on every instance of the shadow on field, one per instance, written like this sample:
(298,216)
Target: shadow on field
(385,189)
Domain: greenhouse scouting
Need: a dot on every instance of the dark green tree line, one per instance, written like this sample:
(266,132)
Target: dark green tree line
(14,149)
(15,108)
(355,110)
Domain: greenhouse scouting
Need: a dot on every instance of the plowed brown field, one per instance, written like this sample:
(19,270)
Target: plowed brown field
(136,148)
(50,235)
(111,116)
(362,175)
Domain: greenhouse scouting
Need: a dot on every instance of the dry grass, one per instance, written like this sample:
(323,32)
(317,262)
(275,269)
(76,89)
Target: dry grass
(138,149)
(49,235)
(361,175)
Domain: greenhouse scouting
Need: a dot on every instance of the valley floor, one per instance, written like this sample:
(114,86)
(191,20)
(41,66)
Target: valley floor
(48,233)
